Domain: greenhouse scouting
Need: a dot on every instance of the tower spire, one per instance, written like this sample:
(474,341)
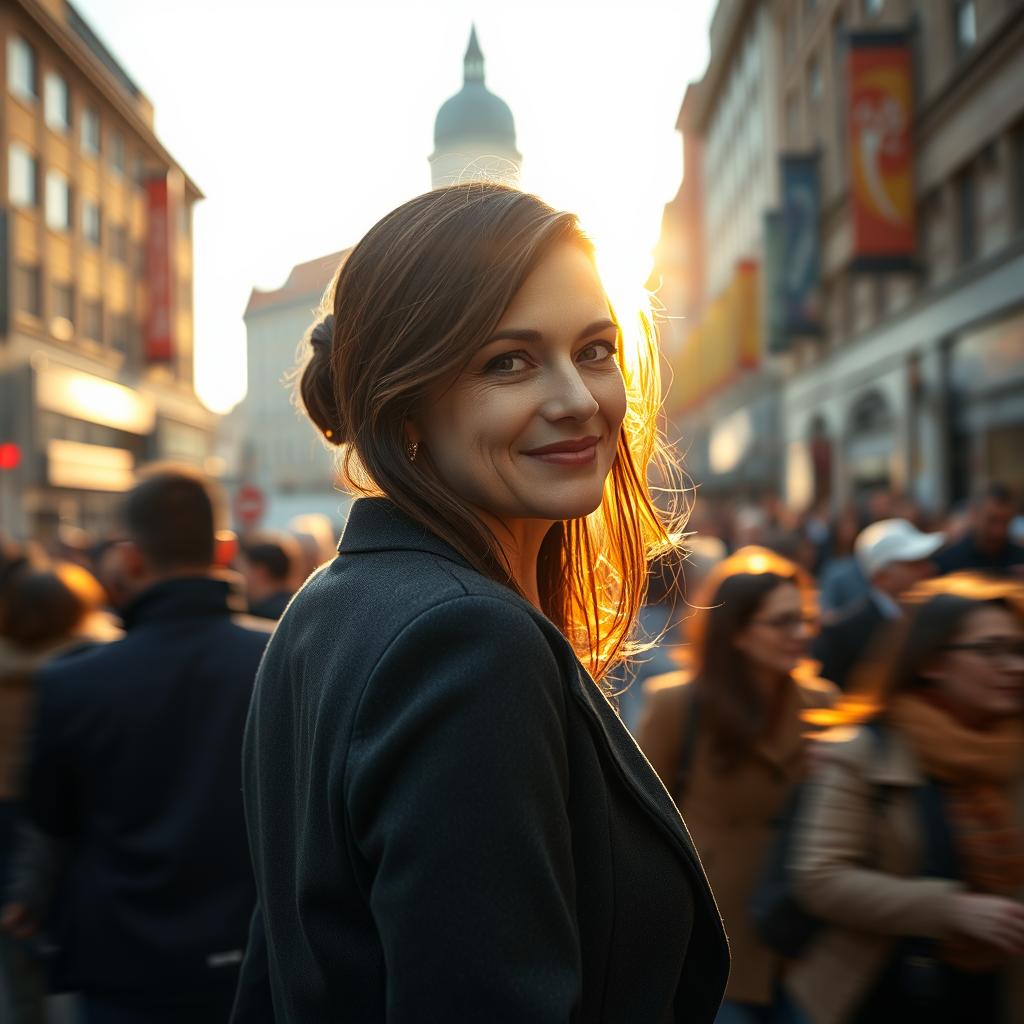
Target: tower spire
(473,62)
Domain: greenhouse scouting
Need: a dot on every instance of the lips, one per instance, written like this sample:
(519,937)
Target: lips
(578,451)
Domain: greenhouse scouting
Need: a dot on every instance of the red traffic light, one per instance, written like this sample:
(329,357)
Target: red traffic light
(10,456)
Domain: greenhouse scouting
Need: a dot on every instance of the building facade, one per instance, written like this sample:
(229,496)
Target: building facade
(916,383)
(908,375)
(96,333)
(280,452)
(723,397)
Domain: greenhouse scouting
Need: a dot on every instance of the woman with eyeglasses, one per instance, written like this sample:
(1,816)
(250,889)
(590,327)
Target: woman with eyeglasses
(727,739)
(911,844)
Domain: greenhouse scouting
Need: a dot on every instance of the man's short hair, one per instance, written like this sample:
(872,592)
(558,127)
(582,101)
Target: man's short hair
(278,554)
(171,515)
(995,491)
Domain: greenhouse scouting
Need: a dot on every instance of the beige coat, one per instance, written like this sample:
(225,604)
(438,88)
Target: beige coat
(18,668)
(732,818)
(868,908)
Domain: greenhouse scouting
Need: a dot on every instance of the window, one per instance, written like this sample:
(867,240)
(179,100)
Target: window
(91,225)
(118,243)
(56,102)
(119,332)
(90,132)
(966,221)
(792,119)
(92,320)
(814,80)
(965,25)
(28,292)
(22,176)
(117,153)
(21,68)
(58,201)
(872,8)
(1017,148)
(64,301)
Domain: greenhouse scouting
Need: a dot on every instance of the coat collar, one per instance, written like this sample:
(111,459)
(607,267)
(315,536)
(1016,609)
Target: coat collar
(377,524)
(185,598)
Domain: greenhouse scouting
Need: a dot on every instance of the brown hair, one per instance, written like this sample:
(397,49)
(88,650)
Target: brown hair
(408,308)
(733,593)
(171,515)
(42,605)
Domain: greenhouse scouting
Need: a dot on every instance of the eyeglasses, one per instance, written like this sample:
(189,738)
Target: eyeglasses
(993,650)
(790,623)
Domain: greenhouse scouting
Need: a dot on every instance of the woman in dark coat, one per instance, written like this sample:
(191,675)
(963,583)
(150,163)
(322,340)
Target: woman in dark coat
(448,820)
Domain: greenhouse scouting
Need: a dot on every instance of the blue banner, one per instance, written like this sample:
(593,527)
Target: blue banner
(801,245)
(773,298)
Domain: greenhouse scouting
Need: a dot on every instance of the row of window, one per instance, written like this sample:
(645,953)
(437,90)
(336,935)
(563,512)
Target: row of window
(22,81)
(28,298)
(58,205)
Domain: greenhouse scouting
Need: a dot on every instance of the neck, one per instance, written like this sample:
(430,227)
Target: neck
(520,541)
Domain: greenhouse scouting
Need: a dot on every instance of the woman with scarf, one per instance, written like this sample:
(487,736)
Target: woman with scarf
(911,846)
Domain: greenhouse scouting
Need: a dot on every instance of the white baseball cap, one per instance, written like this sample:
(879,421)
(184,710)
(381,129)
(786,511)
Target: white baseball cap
(893,540)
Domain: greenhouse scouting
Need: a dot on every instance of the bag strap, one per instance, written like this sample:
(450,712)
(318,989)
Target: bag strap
(688,747)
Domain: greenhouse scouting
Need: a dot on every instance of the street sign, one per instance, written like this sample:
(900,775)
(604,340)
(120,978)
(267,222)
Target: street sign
(250,505)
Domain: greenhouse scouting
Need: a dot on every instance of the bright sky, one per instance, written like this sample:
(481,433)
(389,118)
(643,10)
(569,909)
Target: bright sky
(306,121)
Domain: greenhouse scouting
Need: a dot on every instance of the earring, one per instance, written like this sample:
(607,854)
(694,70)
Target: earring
(411,449)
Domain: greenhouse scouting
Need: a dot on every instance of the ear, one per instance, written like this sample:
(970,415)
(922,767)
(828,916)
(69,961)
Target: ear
(132,560)
(413,434)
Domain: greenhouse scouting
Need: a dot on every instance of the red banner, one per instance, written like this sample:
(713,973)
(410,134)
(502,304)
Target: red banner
(159,344)
(881,179)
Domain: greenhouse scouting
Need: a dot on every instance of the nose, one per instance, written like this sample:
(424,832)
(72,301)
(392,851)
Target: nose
(569,397)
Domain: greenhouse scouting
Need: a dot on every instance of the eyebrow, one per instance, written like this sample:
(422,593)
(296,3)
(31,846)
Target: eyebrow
(526,334)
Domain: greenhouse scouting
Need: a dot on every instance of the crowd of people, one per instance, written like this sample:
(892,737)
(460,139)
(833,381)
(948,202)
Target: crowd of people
(262,780)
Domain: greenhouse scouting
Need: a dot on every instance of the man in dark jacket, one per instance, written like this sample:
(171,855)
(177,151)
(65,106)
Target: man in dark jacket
(269,563)
(987,546)
(893,555)
(136,766)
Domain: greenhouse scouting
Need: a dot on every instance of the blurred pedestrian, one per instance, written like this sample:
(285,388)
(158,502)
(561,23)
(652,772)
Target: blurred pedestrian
(987,546)
(728,742)
(448,820)
(270,564)
(45,611)
(135,764)
(841,582)
(911,848)
(893,555)
(317,540)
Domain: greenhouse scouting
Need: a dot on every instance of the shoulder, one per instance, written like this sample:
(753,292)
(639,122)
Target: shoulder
(671,689)
(814,691)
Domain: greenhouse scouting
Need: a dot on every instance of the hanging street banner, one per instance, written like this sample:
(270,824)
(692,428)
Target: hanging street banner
(159,336)
(881,173)
(801,246)
(773,300)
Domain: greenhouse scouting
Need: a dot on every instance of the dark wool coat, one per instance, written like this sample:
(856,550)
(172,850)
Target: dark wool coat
(135,764)
(447,819)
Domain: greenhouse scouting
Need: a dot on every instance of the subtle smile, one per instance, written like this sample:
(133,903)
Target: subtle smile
(580,451)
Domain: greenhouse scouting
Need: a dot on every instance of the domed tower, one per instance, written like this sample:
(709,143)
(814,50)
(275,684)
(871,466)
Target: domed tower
(474,134)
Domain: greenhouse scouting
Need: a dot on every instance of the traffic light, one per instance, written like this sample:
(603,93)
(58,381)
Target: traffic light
(10,455)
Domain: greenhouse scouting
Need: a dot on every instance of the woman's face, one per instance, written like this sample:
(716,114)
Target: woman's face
(981,670)
(529,429)
(776,638)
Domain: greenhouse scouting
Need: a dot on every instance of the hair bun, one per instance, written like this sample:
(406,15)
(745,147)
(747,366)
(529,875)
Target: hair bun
(322,335)
(316,385)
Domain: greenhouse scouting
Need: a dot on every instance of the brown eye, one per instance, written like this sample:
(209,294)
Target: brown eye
(597,351)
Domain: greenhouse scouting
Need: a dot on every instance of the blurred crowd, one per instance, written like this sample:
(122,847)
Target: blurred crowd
(835,702)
